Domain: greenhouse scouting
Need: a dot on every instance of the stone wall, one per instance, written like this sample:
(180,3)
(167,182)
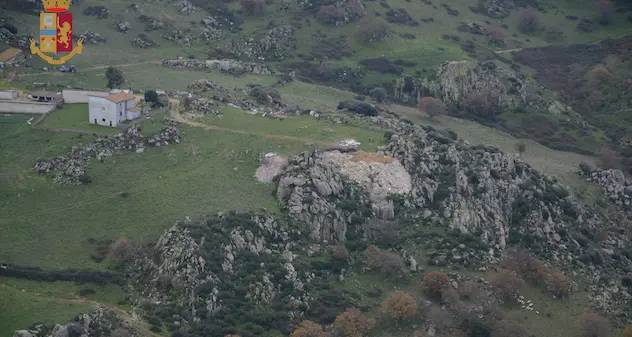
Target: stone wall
(26,107)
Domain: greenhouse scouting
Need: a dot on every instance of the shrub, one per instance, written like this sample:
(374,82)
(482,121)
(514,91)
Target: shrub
(507,328)
(308,329)
(388,263)
(528,20)
(608,159)
(497,36)
(378,94)
(120,250)
(253,6)
(482,104)
(521,147)
(436,282)
(359,107)
(507,284)
(330,14)
(372,256)
(606,11)
(399,305)
(340,252)
(593,325)
(151,96)
(352,323)
(371,30)
(432,106)
(450,297)
(558,284)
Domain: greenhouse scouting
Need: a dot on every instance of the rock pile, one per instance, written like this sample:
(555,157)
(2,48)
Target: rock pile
(210,34)
(100,322)
(204,85)
(184,7)
(180,37)
(89,37)
(123,27)
(273,45)
(70,168)
(143,41)
(202,106)
(202,268)
(616,187)
(222,65)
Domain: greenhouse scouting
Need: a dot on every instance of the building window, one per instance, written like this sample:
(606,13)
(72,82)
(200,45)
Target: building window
(120,113)
(103,119)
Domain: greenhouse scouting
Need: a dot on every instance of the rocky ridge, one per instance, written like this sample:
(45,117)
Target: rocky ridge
(71,167)
(222,65)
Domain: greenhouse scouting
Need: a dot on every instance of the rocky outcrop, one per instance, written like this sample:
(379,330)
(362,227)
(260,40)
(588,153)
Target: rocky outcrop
(179,36)
(272,46)
(477,191)
(89,37)
(222,65)
(616,188)
(70,168)
(143,41)
(184,7)
(457,81)
(201,106)
(100,322)
(227,264)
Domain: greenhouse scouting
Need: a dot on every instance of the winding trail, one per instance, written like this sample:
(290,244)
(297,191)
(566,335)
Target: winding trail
(137,323)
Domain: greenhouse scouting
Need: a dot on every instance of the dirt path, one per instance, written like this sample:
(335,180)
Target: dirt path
(138,324)
(175,114)
(508,50)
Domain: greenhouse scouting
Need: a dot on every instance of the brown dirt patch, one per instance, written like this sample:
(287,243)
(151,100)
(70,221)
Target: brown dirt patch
(370,157)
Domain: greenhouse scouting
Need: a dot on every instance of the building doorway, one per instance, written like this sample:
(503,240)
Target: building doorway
(110,123)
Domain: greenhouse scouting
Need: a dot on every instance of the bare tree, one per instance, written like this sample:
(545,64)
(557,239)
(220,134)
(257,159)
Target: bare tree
(309,329)
(352,323)
(593,325)
(432,106)
(120,250)
(399,305)
(340,252)
(436,282)
(529,20)
(521,147)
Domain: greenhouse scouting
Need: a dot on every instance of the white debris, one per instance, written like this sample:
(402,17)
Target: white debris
(349,143)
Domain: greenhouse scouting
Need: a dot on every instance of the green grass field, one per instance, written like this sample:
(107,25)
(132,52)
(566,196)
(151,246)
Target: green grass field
(73,116)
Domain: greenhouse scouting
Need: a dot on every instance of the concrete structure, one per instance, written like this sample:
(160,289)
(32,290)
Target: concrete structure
(45,96)
(11,56)
(72,96)
(26,107)
(112,109)
(9,94)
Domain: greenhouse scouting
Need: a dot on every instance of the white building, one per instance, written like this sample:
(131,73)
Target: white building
(112,109)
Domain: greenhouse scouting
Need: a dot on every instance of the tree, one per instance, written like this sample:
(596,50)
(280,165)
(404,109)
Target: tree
(389,264)
(115,77)
(330,14)
(432,106)
(483,104)
(352,323)
(497,36)
(593,325)
(253,6)
(308,329)
(378,94)
(608,159)
(435,282)
(528,20)
(340,252)
(521,147)
(606,11)
(507,328)
(151,96)
(371,30)
(372,255)
(399,305)
(120,250)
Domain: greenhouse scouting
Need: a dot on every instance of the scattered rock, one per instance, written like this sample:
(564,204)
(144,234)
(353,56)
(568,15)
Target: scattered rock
(143,41)
(89,37)
(123,27)
(223,65)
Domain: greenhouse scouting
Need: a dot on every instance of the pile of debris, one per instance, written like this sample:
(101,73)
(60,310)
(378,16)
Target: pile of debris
(89,37)
(201,106)
(70,168)
(184,7)
(222,65)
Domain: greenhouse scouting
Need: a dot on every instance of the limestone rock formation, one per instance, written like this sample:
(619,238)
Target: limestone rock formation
(222,65)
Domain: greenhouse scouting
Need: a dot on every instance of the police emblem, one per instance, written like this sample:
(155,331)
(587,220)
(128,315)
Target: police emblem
(56,32)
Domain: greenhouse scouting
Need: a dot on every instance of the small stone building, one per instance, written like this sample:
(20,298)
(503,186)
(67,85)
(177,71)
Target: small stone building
(110,110)
(45,96)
